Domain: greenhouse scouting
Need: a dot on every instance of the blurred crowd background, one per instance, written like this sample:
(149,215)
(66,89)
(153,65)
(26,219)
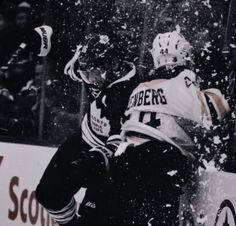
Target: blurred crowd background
(39,103)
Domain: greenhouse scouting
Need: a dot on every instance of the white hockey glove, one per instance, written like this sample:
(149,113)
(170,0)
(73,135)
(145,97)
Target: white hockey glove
(45,32)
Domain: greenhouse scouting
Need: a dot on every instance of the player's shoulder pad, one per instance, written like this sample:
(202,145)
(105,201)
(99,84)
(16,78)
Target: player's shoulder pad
(188,73)
(130,75)
(120,91)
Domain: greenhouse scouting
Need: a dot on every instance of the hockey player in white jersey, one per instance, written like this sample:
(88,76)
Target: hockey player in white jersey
(173,97)
(164,114)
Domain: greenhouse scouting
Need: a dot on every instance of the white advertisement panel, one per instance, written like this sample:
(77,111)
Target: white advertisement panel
(210,200)
(21,167)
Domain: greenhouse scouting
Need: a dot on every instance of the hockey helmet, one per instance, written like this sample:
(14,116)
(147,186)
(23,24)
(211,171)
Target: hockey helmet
(171,49)
(95,59)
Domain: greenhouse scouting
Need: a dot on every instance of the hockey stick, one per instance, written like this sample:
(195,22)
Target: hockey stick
(42,38)
(14,57)
(232,76)
(225,49)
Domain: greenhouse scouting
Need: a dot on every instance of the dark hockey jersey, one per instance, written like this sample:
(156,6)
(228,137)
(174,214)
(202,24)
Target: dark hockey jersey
(103,118)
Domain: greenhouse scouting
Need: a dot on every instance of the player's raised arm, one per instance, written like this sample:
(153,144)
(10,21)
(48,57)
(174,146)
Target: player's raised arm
(40,45)
(214,105)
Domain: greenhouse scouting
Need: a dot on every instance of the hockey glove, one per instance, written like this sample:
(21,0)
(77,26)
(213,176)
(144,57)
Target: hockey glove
(107,151)
(39,44)
(45,33)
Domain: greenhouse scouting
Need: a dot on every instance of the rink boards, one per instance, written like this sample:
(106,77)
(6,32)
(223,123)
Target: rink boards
(21,167)
(209,201)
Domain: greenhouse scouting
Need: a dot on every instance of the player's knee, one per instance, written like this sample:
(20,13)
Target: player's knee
(49,199)
(41,195)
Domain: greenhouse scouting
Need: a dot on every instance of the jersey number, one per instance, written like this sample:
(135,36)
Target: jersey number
(189,82)
(149,118)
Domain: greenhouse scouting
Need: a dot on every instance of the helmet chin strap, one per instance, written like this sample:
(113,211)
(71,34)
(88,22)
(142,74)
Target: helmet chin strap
(94,91)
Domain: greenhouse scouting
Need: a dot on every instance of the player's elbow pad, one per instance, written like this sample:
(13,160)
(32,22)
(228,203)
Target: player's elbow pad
(217,102)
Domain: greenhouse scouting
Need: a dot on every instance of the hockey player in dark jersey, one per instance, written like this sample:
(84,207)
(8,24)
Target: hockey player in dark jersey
(79,162)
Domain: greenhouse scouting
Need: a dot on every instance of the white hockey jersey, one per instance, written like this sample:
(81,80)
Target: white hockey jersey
(165,109)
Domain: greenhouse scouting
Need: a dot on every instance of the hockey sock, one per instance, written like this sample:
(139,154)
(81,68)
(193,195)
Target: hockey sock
(66,214)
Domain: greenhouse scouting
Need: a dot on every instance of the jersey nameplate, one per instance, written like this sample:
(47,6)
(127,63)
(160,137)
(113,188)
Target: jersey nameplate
(147,97)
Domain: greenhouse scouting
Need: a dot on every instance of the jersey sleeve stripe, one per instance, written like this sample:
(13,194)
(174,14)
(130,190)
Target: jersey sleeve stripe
(204,107)
(66,214)
(114,139)
(219,102)
(88,140)
(213,112)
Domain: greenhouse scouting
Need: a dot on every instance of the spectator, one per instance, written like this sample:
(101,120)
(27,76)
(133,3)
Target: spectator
(23,18)
(18,97)
(23,27)
(6,37)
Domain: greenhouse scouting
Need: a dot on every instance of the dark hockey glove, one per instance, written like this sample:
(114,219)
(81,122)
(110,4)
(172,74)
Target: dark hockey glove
(107,151)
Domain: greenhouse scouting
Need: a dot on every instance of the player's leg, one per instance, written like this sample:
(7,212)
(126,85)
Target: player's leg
(151,161)
(149,177)
(71,168)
